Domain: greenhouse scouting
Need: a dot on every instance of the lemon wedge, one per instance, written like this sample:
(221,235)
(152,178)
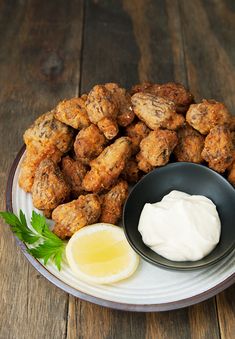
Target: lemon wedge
(100,254)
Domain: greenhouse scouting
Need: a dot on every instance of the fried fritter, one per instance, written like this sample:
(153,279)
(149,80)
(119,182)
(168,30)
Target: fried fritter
(109,127)
(106,168)
(73,112)
(49,188)
(172,91)
(89,143)
(218,149)
(27,172)
(74,172)
(155,149)
(76,214)
(142,87)
(131,172)
(190,145)
(112,203)
(47,131)
(231,173)
(123,100)
(175,92)
(102,110)
(156,112)
(32,159)
(136,132)
(46,138)
(206,115)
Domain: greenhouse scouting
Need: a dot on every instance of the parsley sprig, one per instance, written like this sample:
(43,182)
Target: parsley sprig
(49,245)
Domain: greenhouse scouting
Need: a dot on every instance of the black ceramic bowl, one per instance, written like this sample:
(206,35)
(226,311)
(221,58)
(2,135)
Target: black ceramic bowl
(190,178)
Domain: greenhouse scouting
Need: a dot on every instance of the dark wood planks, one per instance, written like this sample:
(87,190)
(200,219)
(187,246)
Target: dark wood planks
(226,312)
(100,322)
(203,320)
(209,55)
(110,53)
(39,64)
(156,29)
(91,321)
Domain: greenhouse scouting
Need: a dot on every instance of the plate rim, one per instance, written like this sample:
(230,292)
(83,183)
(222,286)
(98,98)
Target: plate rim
(96,300)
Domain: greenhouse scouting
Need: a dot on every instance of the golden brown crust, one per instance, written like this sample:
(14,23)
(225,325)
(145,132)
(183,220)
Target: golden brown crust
(142,87)
(218,150)
(175,92)
(113,201)
(155,149)
(45,138)
(136,132)
(76,214)
(49,188)
(206,115)
(89,143)
(172,91)
(156,112)
(143,164)
(109,127)
(175,122)
(73,112)
(32,159)
(190,145)
(107,167)
(74,172)
(123,100)
(47,131)
(131,172)
(100,104)
(27,172)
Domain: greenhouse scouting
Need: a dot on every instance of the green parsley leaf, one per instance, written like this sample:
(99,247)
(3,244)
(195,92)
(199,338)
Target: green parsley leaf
(22,219)
(50,246)
(38,222)
(49,250)
(19,227)
(10,218)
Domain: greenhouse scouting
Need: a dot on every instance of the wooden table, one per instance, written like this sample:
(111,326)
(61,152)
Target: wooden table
(51,50)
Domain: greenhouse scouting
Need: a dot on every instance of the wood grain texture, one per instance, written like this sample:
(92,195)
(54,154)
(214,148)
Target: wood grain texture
(44,48)
(226,312)
(39,65)
(203,320)
(110,52)
(99,322)
(209,61)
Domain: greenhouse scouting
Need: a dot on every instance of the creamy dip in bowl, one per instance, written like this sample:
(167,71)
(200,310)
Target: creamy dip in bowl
(195,180)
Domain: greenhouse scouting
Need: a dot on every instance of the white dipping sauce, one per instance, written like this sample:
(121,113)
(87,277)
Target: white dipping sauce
(181,227)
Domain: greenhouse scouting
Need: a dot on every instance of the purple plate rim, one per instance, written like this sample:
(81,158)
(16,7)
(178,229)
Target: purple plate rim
(96,300)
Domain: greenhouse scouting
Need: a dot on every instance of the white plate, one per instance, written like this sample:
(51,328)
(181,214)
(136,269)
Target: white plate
(149,289)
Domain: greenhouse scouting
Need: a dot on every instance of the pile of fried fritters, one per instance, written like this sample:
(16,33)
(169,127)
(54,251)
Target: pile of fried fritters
(81,156)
